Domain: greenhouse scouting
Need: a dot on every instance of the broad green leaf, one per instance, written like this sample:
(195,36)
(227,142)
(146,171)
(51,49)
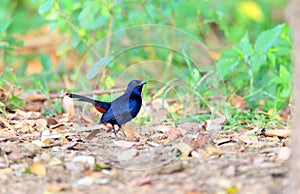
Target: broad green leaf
(245,45)
(257,61)
(267,38)
(46,6)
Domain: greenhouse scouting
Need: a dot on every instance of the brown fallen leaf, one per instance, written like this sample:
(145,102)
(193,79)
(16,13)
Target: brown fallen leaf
(93,134)
(201,139)
(33,107)
(38,169)
(122,143)
(284,153)
(214,124)
(184,148)
(284,133)
(192,126)
(144,181)
(6,132)
(171,168)
(54,188)
(51,121)
(173,133)
(128,131)
(210,151)
(248,139)
(127,154)
(4,121)
(5,171)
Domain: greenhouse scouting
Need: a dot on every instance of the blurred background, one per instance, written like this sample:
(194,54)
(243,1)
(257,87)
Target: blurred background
(44,44)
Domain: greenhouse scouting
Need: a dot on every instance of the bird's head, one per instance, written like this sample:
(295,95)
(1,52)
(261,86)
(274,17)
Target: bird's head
(136,85)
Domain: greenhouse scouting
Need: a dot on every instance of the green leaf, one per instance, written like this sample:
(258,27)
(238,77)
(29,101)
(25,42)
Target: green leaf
(267,38)
(5,25)
(245,45)
(98,65)
(46,6)
(90,18)
(16,102)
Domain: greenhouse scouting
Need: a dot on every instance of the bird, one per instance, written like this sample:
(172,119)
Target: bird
(122,109)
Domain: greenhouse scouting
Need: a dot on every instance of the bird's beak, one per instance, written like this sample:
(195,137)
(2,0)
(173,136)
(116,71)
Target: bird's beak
(143,83)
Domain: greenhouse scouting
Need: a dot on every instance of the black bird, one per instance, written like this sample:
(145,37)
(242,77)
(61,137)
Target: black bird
(122,109)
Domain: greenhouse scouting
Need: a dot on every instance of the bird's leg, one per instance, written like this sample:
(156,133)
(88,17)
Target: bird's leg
(123,131)
(116,136)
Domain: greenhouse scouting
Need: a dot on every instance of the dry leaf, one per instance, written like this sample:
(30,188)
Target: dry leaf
(284,133)
(3,120)
(5,170)
(54,188)
(210,151)
(6,132)
(173,133)
(201,139)
(28,115)
(33,107)
(284,153)
(51,121)
(144,181)
(38,169)
(93,134)
(122,143)
(40,124)
(192,126)
(127,154)
(163,128)
(248,139)
(278,132)
(215,124)
(68,105)
(128,131)
(184,148)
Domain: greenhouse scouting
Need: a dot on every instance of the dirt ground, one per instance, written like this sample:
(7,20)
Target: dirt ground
(51,155)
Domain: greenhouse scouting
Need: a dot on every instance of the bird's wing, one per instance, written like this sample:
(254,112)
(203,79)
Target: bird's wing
(122,110)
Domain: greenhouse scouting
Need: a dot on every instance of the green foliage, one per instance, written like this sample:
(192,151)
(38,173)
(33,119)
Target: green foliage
(257,68)
(261,70)
(54,109)
(9,89)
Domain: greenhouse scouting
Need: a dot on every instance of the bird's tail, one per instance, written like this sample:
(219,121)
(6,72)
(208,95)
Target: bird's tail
(99,105)
(82,98)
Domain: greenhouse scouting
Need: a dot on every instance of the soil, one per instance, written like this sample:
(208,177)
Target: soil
(54,155)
